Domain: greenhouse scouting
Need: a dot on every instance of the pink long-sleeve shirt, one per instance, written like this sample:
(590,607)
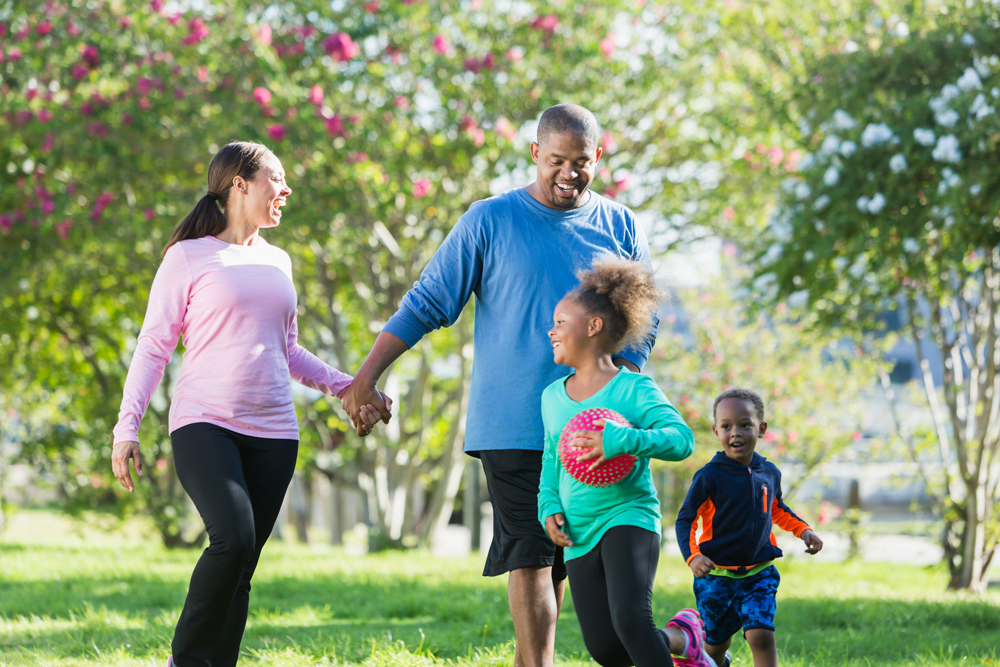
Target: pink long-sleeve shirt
(235,307)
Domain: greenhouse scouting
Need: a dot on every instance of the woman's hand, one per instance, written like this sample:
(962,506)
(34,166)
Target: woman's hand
(593,441)
(120,454)
(553,526)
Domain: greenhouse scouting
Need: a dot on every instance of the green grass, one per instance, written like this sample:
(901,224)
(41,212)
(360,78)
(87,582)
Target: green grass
(99,599)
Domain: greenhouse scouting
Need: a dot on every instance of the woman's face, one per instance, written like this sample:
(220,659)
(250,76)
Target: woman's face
(264,196)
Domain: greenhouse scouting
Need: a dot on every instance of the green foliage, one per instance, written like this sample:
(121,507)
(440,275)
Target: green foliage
(116,599)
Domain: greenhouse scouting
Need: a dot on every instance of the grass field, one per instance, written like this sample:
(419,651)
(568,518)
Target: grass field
(88,598)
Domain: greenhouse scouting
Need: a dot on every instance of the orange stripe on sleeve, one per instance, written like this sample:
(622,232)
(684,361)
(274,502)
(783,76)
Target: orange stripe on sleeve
(706,513)
(786,520)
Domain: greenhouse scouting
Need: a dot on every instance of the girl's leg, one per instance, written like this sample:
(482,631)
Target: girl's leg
(765,651)
(588,586)
(630,556)
(268,466)
(209,467)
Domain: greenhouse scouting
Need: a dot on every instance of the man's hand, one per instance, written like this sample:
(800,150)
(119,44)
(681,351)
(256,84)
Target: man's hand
(553,526)
(120,454)
(701,565)
(813,544)
(593,441)
(360,394)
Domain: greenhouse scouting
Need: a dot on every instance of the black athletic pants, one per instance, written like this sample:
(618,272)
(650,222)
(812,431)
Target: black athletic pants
(612,589)
(237,482)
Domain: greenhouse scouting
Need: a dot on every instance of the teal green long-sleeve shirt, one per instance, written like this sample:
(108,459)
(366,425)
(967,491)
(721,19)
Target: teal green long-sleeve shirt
(658,432)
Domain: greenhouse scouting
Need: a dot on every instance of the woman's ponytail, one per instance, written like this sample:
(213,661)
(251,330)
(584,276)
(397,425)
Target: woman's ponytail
(208,218)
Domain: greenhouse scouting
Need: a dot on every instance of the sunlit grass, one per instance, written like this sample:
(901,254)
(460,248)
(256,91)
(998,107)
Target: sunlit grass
(97,599)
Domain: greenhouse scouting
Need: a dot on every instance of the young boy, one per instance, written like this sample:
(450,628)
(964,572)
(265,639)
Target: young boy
(737,496)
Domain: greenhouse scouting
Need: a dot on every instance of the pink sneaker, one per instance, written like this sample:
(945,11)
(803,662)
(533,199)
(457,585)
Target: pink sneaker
(688,621)
(170,661)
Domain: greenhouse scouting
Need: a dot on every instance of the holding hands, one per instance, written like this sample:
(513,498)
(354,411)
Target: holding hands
(366,406)
(592,441)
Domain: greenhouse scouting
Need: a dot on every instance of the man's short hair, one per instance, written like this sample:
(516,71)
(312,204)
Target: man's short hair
(739,393)
(572,119)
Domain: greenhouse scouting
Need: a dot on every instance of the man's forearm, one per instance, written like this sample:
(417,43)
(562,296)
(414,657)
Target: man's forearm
(386,350)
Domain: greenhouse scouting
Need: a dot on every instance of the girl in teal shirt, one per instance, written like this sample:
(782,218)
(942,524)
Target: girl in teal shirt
(611,535)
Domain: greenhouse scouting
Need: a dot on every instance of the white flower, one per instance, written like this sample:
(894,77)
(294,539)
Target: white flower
(876,134)
(764,281)
(923,136)
(798,299)
(969,80)
(820,226)
(982,66)
(876,204)
(788,184)
(804,127)
(831,176)
(938,104)
(949,179)
(858,268)
(842,120)
(979,108)
(821,202)
(898,163)
(862,204)
(995,92)
(773,254)
(968,40)
(911,246)
(809,256)
(950,91)
(802,190)
(830,144)
(847,148)
(806,162)
(851,46)
(946,118)
(902,30)
(839,263)
(947,149)
(975,189)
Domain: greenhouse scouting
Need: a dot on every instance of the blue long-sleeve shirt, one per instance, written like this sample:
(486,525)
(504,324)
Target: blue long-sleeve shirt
(519,258)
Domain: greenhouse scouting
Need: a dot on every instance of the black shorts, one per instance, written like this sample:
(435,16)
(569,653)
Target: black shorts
(519,540)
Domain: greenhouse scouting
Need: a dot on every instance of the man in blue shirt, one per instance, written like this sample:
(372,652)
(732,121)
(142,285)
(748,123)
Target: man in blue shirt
(518,253)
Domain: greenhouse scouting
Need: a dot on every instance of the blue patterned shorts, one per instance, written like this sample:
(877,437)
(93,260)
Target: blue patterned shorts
(728,604)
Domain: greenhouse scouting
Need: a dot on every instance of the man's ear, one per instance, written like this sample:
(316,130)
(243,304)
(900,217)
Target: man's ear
(595,326)
(534,152)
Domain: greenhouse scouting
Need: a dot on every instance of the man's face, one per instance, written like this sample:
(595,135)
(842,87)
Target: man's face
(566,166)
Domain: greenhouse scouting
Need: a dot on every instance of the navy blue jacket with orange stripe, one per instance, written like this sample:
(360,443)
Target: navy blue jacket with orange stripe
(735,507)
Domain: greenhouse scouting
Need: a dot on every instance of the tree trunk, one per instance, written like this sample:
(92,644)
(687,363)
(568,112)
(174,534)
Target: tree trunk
(301,507)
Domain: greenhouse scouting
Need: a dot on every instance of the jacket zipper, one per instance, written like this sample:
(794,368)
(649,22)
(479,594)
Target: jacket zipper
(753,520)
(765,497)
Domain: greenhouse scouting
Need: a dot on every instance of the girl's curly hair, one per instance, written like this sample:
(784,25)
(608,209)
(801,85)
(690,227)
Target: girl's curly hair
(623,293)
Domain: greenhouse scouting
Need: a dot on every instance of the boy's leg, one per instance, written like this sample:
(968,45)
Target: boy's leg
(765,651)
(718,651)
(718,602)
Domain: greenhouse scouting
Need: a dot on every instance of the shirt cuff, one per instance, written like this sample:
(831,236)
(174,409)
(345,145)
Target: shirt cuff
(613,438)
(402,326)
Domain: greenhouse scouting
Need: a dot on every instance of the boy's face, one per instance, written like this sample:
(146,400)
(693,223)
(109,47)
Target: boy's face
(737,428)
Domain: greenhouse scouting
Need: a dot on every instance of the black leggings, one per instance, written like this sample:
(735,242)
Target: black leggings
(612,590)
(238,483)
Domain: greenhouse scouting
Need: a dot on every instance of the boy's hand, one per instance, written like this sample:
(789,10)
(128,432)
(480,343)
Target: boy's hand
(553,526)
(701,565)
(813,543)
(592,440)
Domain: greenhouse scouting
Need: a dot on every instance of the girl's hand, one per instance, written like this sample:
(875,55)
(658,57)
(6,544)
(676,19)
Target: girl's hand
(701,565)
(553,526)
(813,543)
(120,454)
(593,441)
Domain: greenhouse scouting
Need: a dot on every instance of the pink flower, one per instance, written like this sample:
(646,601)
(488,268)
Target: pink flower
(276,131)
(197,31)
(48,144)
(63,228)
(340,47)
(149,214)
(47,206)
(264,35)
(371,7)
(202,74)
(6,222)
(440,44)
(549,23)
(608,143)
(607,45)
(476,5)
(262,95)
(44,115)
(478,136)
(31,93)
(394,54)
(73,29)
(178,94)
(476,65)
(144,85)
(353,158)
(156,5)
(144,104)
(125,118)
(421,188)
(729,213)
(775,155)
(22,33)
(515,54)
(3,29)
(402,102)
(104,199)
(174,19)
(316,95)
(505,129)
(729,250)
(623,181)
(44,28)
(124,23)
(14,53)
(90,55)
(335,126)
(78,71)
(604,174)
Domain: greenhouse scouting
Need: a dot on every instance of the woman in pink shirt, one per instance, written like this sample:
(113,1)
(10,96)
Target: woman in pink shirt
(233,426)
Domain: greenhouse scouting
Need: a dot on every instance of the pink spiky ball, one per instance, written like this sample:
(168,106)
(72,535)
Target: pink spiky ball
(611,471)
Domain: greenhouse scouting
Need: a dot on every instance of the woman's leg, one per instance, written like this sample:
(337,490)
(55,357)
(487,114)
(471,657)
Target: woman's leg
(268,466)
(210,468)
(588,586)
(630,557)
